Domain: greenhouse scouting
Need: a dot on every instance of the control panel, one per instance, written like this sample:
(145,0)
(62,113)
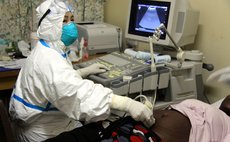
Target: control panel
(131,77)
(120,65)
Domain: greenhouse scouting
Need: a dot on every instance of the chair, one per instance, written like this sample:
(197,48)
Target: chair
(6,131)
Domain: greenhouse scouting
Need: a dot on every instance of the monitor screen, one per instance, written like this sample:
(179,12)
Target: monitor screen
(146,16)
(180,20)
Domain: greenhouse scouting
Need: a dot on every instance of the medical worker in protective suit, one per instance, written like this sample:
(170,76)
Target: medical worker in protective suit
(50,97)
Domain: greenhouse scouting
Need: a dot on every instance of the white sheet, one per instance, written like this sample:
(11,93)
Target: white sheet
(209,124)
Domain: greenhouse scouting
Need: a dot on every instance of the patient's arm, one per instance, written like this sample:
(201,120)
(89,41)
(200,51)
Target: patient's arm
(225,105)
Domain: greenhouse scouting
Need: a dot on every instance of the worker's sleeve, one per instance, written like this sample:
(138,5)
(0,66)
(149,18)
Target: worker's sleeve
(68,92)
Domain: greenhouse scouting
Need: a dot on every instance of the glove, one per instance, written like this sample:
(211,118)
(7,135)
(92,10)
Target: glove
(92,69)
(222,75)
(137,110)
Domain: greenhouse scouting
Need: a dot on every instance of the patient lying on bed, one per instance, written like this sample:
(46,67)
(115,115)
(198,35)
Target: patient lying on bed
(194,121)
(189,121)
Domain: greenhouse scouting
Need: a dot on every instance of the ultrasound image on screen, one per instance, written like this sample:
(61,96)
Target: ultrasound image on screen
(150,17)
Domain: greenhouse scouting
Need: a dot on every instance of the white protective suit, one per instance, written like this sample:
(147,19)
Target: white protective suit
(221,75)
(49,95)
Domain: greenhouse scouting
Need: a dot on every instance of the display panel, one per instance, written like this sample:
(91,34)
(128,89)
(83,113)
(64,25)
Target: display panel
(180,20)
(147,16)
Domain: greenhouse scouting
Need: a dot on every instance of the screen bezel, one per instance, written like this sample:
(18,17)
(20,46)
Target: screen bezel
(133,17)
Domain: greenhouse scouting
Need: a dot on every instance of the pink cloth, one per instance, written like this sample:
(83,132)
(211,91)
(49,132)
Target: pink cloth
(209,124)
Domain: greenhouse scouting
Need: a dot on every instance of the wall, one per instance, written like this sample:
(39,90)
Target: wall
(213,37)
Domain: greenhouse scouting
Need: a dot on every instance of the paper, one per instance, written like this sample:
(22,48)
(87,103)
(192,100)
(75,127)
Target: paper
(15,64)
(24,48)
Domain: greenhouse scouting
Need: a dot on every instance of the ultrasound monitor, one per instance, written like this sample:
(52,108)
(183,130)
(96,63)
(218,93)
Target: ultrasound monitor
(177,16)
(150,20)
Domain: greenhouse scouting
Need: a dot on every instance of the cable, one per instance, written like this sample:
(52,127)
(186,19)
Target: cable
(153,65)
(145,101)
(119,39)
(128,79)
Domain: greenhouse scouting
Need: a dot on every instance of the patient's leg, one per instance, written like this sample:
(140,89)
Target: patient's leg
(171,126)
(225,105)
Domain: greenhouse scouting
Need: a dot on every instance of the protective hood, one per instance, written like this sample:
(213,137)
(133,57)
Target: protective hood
(50,28)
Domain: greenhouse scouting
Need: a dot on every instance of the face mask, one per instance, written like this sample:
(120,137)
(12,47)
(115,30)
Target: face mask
(69,33)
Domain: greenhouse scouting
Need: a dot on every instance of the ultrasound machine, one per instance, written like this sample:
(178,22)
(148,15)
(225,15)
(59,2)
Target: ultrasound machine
(167,83)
